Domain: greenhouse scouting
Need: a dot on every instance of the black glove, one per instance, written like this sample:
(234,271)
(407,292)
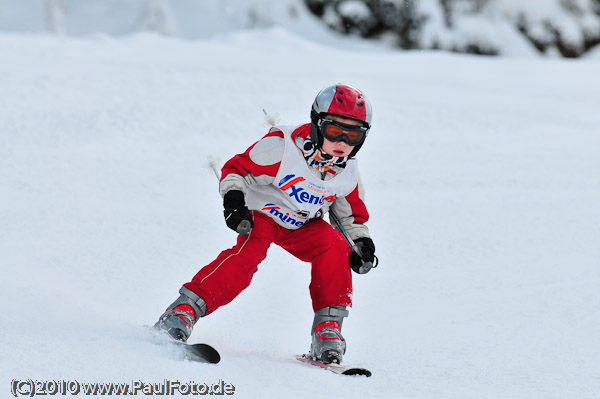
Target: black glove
(361,265)
(237,215)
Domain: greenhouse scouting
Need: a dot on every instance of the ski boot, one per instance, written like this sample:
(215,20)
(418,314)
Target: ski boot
(328,344)
(180,317)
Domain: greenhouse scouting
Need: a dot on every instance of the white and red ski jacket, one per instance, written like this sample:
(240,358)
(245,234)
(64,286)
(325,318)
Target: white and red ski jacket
(277,181)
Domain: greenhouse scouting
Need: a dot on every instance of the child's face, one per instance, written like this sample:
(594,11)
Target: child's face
(339,148)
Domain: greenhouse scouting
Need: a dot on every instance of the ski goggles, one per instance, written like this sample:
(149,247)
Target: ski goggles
(338,131)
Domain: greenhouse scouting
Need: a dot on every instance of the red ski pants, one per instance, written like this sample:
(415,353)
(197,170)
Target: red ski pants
(219,282)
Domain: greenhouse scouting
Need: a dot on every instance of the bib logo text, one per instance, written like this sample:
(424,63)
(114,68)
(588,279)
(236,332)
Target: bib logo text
(285,218)
(300,194)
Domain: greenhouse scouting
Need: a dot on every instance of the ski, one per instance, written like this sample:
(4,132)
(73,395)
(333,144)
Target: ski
(202,353)
(334,368)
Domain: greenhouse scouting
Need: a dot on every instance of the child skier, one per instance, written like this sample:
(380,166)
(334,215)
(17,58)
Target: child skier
(277,192)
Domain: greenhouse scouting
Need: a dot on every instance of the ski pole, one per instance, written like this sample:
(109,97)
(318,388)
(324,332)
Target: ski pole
(366,266)
(244,226)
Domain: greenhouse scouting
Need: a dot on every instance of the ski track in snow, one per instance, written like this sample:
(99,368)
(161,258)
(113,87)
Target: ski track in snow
(482,179)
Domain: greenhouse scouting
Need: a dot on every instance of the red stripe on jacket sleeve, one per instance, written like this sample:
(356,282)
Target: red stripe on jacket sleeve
(359,209)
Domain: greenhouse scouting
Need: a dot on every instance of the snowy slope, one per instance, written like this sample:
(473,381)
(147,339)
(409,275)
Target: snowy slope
(483,184)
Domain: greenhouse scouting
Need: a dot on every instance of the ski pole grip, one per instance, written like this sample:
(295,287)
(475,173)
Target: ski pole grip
(244,227)
(366,266)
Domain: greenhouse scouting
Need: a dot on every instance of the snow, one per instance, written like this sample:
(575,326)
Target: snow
(354,8)
(482,183)
(494,26)
(548,18)
(593,53)
(189,19)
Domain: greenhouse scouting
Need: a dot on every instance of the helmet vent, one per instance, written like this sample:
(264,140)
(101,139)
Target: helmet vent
(340,100)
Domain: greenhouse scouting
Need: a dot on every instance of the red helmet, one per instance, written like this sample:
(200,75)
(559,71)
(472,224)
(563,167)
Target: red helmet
(343,100)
